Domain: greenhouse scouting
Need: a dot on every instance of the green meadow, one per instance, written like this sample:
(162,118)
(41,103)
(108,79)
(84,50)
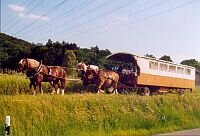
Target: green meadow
(85,113)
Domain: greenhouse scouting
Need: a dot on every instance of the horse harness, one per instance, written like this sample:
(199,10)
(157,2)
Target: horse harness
(38,70)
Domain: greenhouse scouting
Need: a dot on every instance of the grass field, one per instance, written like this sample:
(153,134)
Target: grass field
(92,114)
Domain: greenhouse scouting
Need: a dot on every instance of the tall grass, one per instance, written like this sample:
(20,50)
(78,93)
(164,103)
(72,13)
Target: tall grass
(19,84)
(92,114)
(13,84)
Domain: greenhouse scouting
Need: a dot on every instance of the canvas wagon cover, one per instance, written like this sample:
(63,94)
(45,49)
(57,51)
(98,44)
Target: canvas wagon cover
(125,57)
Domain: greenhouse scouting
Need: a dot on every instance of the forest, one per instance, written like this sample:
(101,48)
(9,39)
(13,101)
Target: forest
(57,53)
(52,53)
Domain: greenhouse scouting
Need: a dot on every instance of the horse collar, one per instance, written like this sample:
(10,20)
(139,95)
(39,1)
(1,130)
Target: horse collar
(26,63)
(39,68)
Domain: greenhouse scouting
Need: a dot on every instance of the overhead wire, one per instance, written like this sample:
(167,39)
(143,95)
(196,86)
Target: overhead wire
(154,15)
(85,13)
(114,21)
(31,10)
(45,14)
(92,19)
(148,17)
(55,20)
(27,4)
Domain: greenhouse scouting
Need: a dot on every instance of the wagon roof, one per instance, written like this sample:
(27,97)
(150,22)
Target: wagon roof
(121,56)
(131,58)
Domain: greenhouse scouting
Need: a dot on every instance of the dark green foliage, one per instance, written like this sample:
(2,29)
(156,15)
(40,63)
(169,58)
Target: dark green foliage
(149,55)
(11,50)
(191,62)
(166,58)
(93,56)
(52,53)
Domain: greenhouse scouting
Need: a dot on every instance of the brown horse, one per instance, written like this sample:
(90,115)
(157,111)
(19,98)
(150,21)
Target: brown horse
(105,80)
(81,70)
(42,73)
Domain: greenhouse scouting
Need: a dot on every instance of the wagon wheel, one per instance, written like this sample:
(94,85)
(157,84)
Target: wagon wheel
(146,91)
(181,91)
(125,91)
(133,90)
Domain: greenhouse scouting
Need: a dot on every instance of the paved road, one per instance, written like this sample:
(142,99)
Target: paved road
(192,132)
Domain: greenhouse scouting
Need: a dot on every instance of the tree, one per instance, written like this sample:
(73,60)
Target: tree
(49,43)
(69,60)
(52,53)
(149,55)
(191,62)
(12,50)
(166,58)
(39,52)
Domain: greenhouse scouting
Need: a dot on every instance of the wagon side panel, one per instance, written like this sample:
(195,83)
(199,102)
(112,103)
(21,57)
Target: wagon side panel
(154,75)
(156,80)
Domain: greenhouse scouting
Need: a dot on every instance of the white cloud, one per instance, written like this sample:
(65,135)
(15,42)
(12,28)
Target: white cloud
(121,18)
(20,10)
(16,8)
(34,16)
(21,15)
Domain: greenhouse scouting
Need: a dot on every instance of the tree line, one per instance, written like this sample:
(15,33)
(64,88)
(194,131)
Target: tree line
(58,54)
(189,62)
(52,53)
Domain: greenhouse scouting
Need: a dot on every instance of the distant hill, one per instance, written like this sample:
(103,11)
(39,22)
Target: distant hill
(12,49)
(7,41)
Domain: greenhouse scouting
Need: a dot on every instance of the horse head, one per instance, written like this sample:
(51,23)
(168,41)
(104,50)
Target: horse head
(27,64)
(22,65)
(81,69)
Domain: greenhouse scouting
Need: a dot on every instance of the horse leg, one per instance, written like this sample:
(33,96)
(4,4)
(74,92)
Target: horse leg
(34,88)
(62,86)
(58,88)
(40,88)
(32,83)
(99,88)
(53,87)
(85,84)
(37,84)
(115,88)
(30,86)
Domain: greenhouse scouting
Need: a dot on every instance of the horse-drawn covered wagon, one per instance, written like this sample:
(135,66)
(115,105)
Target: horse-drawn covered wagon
(149,75)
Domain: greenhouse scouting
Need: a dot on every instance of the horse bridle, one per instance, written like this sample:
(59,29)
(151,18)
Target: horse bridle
(38,69)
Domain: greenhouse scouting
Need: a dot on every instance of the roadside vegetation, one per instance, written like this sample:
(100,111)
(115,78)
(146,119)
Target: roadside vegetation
(92,114)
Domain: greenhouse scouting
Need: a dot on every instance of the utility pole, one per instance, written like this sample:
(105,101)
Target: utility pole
(0,16)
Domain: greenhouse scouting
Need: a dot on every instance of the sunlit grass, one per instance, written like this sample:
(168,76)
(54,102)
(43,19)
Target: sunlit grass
(19,84)
(92,114)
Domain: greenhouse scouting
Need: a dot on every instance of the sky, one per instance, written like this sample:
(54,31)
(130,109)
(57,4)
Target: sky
(157,27)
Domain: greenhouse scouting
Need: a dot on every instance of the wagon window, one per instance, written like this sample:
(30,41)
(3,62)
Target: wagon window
(153,65)
(180,70)
(163,67)
(172,68)
(188,71)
